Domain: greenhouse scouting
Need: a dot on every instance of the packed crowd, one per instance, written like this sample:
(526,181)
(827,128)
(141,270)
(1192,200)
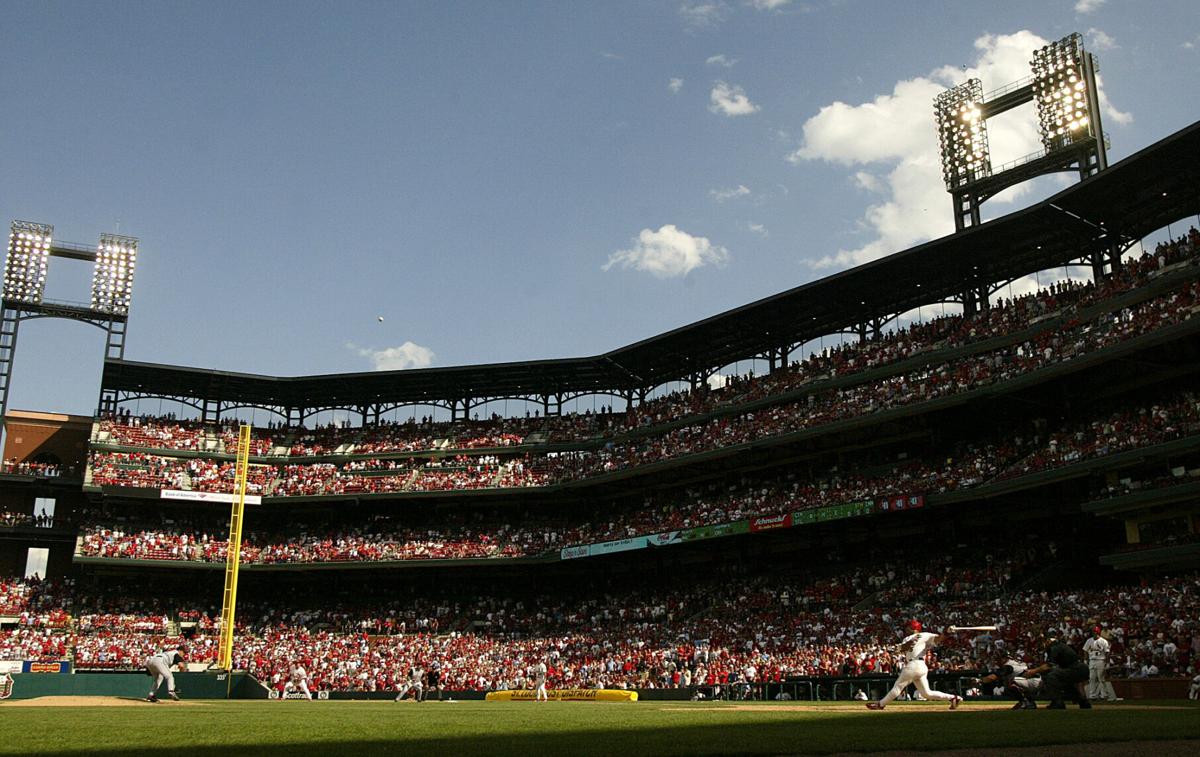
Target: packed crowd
(1046,348)
(709,632)
(952,378)
(1011,453)
(43,470)
(1006,316)
(364,543)
(33,602)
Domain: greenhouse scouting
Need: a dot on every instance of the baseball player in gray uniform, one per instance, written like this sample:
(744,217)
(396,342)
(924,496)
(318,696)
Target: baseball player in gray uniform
(158,667)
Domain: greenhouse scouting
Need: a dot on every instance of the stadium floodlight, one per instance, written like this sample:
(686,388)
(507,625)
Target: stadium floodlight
(1062,85)
(962,133)
(112,276)
(25,268)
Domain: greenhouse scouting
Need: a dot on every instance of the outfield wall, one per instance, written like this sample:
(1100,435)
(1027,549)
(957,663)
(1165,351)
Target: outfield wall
(215,685)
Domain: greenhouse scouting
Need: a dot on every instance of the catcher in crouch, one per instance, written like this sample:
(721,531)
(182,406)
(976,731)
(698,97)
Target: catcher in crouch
(915,671)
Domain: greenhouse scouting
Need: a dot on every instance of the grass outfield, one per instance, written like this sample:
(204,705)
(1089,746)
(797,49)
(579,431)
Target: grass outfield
(574,728)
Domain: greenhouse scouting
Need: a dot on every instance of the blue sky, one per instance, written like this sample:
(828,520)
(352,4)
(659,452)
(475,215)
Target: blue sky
(502,181)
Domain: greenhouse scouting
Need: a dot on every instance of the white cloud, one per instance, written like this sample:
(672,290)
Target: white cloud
(759,229)
(717,381)
(1098,39)
(607,55)
(768,5)
(667,253)
(407,355)
(721,195)
(1191,43)
(675,85)
(1122,117)
(721,60)
(869,181)
(730,100)
(1088,6)
(706,14)
(892,141)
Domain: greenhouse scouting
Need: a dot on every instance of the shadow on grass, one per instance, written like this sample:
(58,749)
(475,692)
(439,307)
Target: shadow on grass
(848,732)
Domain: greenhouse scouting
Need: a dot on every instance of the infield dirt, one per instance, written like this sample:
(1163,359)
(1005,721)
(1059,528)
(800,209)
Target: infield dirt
(70,701)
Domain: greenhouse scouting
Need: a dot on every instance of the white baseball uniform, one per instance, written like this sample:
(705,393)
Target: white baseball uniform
(1098,686)
(414,684)
(300,680)
(539,682)
(915,671)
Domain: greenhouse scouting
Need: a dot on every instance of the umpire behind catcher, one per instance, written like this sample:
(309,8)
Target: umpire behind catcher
(1065,674)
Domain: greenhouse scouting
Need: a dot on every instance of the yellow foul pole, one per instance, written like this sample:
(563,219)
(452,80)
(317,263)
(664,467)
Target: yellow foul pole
(233,552)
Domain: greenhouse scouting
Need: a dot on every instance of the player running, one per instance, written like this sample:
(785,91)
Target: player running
(915,671)
(158,667)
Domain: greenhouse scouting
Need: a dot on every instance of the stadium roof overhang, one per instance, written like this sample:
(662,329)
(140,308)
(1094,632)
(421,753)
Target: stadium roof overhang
(1122,204)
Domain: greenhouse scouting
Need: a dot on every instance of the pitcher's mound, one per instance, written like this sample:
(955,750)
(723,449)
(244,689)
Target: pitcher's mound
(74,701)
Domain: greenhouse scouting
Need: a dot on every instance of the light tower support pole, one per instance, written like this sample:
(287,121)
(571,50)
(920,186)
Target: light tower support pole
(233,553)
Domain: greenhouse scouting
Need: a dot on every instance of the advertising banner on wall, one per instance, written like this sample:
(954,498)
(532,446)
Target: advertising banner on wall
(617,545)
(29,666)
(572,553)
(712,532)
(664,539)
(770,522)
(190,496)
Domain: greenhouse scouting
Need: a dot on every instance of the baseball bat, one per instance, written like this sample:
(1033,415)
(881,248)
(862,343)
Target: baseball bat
(972,628)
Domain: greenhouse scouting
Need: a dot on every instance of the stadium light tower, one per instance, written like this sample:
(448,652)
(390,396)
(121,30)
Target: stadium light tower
(112,276)
(1063,85)
(25,267)
(962,135)
(30,248)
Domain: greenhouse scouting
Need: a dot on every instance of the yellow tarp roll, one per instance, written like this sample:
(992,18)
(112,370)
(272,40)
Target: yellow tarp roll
(565,695)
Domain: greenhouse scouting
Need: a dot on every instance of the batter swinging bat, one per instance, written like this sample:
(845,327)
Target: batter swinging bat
(952,629)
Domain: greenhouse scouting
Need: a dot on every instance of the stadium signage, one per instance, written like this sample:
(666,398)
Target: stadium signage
(30,666)
(663,539)
(565,695)
(895,504)
(571,553)
(251,499)
(768,522)
(618,545)
(756,524)
(712,532)
(833,512)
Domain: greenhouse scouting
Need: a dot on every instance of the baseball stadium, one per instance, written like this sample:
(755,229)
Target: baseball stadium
(944,501)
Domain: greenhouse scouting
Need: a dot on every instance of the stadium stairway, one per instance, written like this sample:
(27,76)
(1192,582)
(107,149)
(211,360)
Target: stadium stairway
(867,602)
